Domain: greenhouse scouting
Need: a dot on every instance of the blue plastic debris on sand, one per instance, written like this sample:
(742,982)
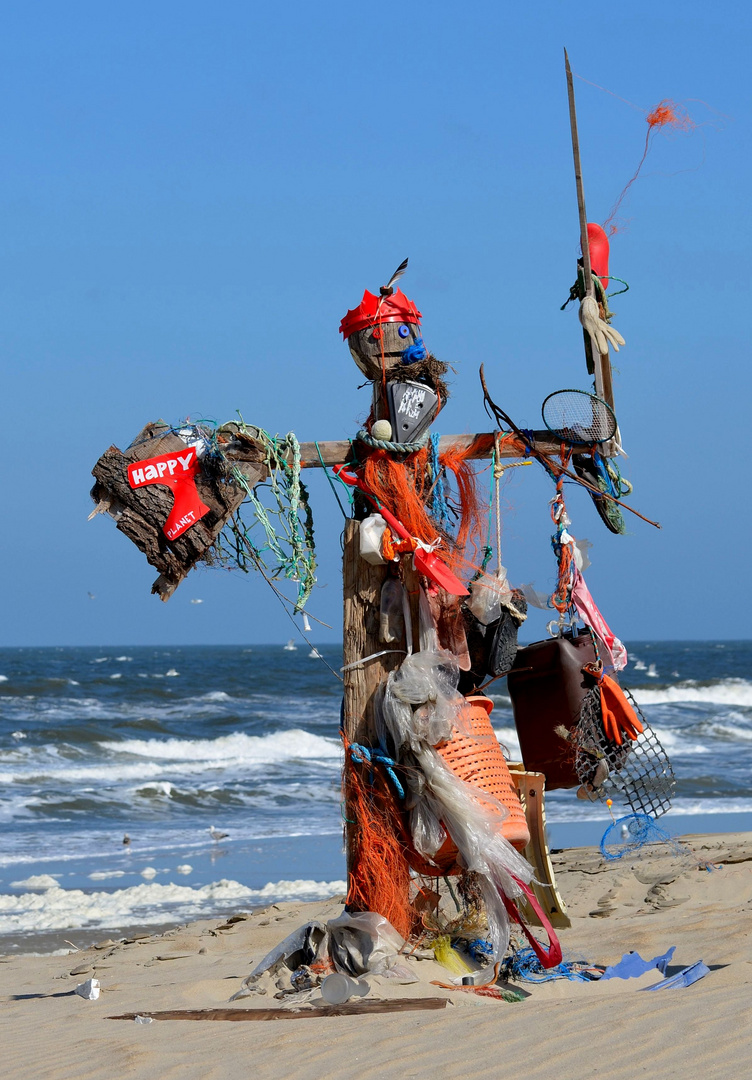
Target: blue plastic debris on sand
(631,965)
(686,977)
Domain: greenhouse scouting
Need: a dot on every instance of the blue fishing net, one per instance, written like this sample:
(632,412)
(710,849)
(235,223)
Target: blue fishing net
(524,964)
(629,834)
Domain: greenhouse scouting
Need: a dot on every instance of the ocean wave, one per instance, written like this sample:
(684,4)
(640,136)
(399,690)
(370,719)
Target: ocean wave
(292,745)
(735,692)
(151,760)
(54,908)
(562,808)
(164,706)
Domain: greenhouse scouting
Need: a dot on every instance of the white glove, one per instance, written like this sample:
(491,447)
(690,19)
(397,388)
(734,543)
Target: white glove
(598,328)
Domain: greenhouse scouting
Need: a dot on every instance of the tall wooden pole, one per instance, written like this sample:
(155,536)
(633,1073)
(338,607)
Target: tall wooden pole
(589,287)
(602,365)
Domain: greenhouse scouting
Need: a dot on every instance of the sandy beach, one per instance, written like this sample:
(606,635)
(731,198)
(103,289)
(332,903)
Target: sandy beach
(700,902)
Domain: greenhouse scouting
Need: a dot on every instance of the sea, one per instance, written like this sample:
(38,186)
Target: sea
(121,768)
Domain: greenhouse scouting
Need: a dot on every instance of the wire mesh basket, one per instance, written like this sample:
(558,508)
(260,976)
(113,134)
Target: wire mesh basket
(637,774)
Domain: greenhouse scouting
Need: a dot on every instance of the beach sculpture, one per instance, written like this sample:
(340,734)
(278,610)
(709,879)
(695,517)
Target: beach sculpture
(429,620)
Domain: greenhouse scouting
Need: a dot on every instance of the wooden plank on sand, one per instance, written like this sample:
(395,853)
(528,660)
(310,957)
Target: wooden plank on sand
(349,1008)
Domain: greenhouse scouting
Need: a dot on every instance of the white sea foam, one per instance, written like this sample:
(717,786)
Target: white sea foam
(3,678)
(731,732)
(674,742)
(157,758)
(238,747)
(64,909)
(725,692)
(508,738)
(159,787)
(36,881)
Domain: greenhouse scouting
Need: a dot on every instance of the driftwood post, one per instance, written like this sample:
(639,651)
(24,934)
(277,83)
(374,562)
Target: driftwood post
(362,584)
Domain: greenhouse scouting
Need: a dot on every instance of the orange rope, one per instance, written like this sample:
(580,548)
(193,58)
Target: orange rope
(561,597)
(401,487)
(470,530)
(379,875)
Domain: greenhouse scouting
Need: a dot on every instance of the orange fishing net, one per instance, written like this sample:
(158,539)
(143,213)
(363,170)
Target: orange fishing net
(470,529)
(402,488)
(379,875)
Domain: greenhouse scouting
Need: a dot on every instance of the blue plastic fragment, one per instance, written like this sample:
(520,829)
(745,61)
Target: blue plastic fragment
(686,977)
(631,965)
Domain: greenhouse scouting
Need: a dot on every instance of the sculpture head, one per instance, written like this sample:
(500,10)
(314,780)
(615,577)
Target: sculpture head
(380,329)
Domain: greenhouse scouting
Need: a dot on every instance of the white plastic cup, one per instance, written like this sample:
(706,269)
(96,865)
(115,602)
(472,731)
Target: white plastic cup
(336,989)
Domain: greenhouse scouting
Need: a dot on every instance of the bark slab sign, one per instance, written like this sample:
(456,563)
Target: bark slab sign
(177,471)
(167,503)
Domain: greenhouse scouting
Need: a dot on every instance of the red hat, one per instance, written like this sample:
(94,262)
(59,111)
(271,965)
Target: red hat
(373,310)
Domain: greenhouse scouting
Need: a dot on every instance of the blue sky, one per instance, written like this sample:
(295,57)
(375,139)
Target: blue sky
(193,195)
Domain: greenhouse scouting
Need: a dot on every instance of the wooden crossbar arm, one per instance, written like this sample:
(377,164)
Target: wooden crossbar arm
(481,446)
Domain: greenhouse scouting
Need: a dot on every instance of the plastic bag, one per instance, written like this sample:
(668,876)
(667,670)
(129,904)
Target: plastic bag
(371,533)
(391,615)
(535,598)
(427,831)
(486,594)
(428,682)
(363,941)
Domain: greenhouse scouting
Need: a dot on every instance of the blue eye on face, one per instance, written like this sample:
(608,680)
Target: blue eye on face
(404,331)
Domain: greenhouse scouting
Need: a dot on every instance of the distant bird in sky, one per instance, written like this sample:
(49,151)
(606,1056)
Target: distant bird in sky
(216,834)
(91,595)
(197,601)
(126,840)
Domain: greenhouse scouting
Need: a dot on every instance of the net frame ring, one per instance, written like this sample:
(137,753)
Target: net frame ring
(566,434)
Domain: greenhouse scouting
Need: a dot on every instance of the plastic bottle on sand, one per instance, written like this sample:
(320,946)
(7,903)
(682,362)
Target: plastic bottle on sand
(337,989)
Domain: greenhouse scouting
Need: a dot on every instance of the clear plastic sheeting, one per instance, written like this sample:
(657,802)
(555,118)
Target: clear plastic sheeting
(427,831)
(534,597)
(473,820)
(391,611)
(421,703)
